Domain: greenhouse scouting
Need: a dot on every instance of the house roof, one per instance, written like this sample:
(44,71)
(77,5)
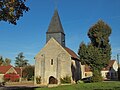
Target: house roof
(4,69)
(18,70)
(55,24)
(72,53)
(87,68)
(111,62)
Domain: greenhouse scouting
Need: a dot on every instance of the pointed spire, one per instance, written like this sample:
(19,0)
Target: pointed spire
(55,24)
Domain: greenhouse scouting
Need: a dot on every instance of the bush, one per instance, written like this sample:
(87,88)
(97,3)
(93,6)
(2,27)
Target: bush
(11,77)
(28,72)
(38,80)
(96,76)
(66,79)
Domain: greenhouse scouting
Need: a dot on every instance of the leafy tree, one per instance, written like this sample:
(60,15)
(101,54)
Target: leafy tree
(1,60)
(90,55)
(4,62)
(99,35)
(98,53)
(7,61)
(28,72)
(21,61)
(12,10)
(82,52)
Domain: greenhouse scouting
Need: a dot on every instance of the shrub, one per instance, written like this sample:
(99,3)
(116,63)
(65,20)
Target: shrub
(66,79)
(7,77)
(28,72)
(38,80)
(96,76)
(11,77)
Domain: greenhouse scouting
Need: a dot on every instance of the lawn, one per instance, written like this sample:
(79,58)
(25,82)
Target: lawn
(87,86)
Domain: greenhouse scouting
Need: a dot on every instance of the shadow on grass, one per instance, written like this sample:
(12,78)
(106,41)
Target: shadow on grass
(18,88)
(115,88)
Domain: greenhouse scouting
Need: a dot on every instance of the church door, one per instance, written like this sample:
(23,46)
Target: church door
(52,80)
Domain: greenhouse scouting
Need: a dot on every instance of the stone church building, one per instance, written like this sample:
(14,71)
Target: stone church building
(55,60)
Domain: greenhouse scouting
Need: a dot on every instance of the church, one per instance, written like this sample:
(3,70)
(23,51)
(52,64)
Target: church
(56,61)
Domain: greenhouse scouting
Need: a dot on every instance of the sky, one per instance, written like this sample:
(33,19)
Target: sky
(77,16)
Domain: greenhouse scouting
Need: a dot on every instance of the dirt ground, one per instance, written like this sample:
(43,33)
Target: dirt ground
(23,83)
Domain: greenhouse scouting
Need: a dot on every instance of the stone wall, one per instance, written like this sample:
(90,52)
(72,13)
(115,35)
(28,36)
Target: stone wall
(61,66)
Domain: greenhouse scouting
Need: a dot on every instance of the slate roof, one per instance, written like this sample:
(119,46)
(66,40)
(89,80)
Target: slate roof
(72,53)
(55,24)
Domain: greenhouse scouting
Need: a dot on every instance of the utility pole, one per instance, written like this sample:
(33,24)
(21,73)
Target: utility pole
(118,66)
(118,58)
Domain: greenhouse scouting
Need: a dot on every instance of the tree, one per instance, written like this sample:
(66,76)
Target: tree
(1,60)
(28,72)
(12,10)
(21,61)
(7,61)
(98,53)
(99,35)
(90,55)
(4,62)
(82,52)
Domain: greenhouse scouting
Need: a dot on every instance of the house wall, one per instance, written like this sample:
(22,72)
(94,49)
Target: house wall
(113,71)
(11,70)
(105,74)
(88,74)
(82,71)
(115,66)
(1,77)
(85,74)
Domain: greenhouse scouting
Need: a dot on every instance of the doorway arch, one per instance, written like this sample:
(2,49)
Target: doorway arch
(52,80)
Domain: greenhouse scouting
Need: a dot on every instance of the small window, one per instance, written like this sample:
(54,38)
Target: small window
(51,61)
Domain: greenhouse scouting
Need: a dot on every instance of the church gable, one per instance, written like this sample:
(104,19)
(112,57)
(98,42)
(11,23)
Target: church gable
(53,60)
(52,46)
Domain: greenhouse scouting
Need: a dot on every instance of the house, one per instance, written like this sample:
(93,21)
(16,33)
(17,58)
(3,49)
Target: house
(86,71)
(55,61)
(10,73)
(109,72)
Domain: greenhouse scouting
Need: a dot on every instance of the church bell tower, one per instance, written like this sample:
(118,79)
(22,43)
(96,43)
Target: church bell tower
(55,30)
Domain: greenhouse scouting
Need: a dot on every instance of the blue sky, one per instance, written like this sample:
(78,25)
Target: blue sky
(77,16)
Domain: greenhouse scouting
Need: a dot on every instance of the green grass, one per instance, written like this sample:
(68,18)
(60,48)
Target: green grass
(87,86)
